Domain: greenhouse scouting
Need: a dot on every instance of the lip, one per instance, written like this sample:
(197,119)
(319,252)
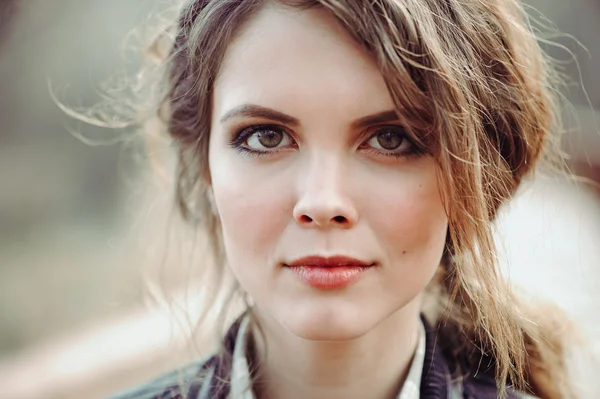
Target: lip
(332,261)
(329,273)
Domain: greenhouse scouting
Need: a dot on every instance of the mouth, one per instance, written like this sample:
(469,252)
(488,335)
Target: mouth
(329,272)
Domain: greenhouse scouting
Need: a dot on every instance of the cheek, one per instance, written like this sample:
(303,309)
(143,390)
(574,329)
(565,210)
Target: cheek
(252,207)
(410,228)
(410,222)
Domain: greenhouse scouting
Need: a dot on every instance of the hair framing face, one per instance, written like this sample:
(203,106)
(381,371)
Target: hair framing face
(466,77)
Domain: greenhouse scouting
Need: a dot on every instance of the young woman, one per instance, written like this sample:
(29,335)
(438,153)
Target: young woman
(347,158)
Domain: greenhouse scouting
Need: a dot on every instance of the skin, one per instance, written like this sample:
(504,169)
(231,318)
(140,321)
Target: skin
(325,189)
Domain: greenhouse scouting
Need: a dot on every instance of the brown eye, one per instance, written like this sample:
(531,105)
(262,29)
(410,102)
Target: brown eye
(389,140)
(266,138)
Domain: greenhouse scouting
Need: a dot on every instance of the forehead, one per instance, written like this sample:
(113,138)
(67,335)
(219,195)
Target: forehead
(299,61)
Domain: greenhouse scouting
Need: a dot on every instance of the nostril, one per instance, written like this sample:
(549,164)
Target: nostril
(338,219)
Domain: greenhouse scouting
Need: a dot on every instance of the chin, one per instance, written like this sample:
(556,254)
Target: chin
(328,325)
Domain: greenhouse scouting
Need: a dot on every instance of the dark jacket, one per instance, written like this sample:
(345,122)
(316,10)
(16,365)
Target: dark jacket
(437,381)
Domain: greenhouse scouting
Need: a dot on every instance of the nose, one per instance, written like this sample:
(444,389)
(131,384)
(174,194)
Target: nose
(323,202)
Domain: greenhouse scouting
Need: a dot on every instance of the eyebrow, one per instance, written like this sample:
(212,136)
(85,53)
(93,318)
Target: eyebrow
(257,111)
(375,119)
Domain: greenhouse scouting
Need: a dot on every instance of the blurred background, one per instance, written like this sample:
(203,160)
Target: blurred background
(74,320)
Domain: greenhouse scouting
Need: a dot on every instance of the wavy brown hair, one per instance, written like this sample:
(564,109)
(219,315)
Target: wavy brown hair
(469,77)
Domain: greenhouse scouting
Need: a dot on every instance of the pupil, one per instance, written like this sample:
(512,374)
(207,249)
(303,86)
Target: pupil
(389,140)
(269,138)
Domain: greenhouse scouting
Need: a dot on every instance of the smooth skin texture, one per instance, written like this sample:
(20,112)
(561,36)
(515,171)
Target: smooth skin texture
(324,187)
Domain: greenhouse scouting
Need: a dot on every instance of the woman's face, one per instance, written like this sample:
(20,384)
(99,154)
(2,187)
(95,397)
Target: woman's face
(307,158)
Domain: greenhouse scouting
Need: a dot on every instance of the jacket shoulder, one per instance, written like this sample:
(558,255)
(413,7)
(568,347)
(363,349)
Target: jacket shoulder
(485,387)
(171,385)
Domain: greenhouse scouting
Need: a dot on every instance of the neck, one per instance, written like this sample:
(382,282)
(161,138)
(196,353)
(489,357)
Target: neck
(374,365)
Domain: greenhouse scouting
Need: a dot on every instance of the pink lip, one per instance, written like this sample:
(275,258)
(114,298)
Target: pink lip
(332,272)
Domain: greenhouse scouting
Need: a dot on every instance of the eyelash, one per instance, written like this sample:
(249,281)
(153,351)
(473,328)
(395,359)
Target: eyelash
(244,134)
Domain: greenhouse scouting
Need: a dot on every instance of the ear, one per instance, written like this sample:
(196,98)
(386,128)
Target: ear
(206,179)
(210,196)
(208,189)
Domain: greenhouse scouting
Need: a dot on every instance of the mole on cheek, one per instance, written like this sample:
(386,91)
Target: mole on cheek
(404,252)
